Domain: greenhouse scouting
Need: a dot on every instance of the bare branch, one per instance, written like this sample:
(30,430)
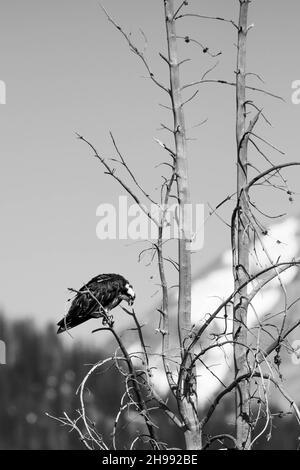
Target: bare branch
(111,172)
(225,82)
(195,15)
(135,50)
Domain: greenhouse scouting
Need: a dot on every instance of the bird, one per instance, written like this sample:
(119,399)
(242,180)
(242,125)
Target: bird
(96,299)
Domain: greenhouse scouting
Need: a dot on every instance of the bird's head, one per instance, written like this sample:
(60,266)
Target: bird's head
(129,294)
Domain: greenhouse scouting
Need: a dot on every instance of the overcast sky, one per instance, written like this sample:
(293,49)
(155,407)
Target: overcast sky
(67,70)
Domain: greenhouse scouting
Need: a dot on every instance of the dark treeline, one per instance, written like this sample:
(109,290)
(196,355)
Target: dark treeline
(41,376)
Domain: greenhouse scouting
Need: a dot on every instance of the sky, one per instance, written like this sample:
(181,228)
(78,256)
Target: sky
(67,70)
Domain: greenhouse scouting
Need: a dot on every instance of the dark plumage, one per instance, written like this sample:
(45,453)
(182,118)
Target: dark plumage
(96,299)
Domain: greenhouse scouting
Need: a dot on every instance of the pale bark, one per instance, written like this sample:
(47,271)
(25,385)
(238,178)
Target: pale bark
(186,393)
(241,241)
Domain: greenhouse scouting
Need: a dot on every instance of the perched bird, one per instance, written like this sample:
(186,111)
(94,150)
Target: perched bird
(96,299)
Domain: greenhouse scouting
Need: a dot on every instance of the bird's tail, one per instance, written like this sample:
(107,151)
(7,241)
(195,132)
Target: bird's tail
(67,323)
(62,326)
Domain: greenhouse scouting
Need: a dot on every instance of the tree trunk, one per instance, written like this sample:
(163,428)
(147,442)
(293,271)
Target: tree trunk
(241,240)
(187,395)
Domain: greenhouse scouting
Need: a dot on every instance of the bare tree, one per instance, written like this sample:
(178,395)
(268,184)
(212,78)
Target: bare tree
(253,369)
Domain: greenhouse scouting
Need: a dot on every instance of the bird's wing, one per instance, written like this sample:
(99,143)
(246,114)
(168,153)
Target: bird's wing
(102,290)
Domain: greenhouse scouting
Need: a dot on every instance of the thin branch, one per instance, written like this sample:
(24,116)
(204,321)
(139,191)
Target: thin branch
(205,17)
(225,82)
(130,171)
(135,50)
(111,172)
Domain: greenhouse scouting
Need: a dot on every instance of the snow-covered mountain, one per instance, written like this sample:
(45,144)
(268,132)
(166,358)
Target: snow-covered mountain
(213,285)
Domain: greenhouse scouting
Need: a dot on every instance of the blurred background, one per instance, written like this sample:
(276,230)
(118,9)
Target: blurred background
(67,70)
